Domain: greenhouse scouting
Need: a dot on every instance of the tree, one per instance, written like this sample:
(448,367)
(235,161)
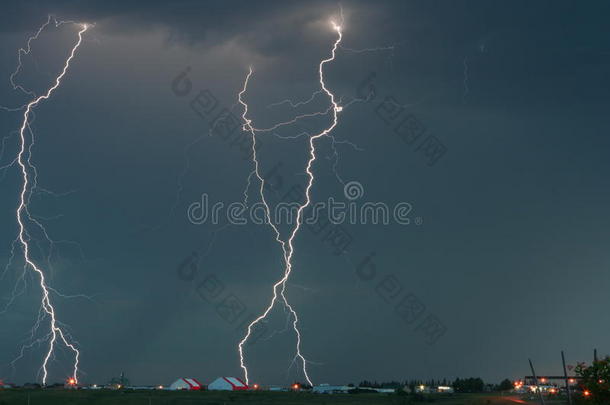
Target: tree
(505,385)
(469,385)
(596,379)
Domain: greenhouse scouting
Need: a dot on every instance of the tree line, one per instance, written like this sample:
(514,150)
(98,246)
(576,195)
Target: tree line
(467,385)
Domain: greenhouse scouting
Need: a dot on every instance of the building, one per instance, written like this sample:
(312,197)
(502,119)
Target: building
(6,385)
(227,384)
(331,389)
(187,384)
(116,383)
(371,389)
(423,389)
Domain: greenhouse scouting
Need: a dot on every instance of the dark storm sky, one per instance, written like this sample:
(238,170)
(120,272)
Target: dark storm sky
(511,256)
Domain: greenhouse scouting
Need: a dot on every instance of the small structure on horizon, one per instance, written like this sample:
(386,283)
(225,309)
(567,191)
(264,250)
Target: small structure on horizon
(331,389)
(119,383)
(6,385)
(186,384)
(71,384)
(227,384)
(423,389)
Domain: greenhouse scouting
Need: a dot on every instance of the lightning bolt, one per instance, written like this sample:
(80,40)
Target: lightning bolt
(279,288)
(57,333)
(28,49)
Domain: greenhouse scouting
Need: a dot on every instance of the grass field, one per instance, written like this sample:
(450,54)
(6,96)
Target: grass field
(63,397)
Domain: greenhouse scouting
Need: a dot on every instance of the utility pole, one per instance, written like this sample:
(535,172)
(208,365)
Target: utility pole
(536,382)
(565,373)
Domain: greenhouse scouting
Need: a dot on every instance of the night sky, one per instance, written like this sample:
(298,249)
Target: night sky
(505,256)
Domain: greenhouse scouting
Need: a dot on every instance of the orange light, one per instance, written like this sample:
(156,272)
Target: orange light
(71,381)
(255,386)
(295,386)
(543,380)
(586,393)
(571,381)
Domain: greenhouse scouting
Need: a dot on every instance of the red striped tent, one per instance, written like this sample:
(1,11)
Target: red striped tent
(188,384)
(227,384)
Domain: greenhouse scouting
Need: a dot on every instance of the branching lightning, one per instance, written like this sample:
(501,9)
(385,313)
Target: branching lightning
(57,333)
(279,288)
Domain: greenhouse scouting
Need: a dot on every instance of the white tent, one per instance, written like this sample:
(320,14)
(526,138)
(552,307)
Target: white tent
(227,384)
(189,384)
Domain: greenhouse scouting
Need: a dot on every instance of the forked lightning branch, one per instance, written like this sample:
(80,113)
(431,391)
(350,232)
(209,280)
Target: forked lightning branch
(56,333)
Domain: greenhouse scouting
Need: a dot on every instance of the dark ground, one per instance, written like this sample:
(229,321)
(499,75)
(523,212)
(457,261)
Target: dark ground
(106,397)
